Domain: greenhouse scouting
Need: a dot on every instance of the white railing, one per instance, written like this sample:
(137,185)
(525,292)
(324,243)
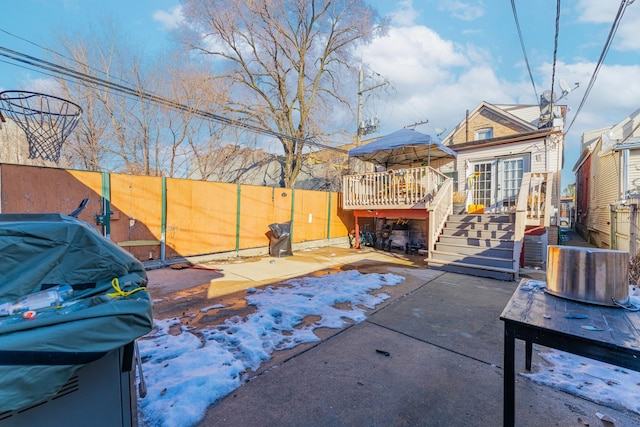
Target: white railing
(532,209)
(439,210)
(400,189)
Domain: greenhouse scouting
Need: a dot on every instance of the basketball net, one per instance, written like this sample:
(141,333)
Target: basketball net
(46,120)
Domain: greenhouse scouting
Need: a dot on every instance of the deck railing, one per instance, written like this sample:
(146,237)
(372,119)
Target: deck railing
(393,189)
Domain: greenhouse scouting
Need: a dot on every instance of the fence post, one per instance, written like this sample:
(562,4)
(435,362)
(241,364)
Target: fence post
(238,193)
(633,218)
(293,210)
(613,228)
(106,205)
(329,217)
(163,223)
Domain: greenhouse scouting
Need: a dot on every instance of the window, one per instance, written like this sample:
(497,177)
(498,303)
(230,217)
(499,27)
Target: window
(484,134)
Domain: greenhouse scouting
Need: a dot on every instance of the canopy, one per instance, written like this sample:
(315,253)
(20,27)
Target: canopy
(403,147)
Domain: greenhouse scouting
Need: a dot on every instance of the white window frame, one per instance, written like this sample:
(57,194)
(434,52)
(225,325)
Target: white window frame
(485,133)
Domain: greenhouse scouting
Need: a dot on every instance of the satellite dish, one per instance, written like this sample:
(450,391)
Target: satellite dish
(547,96)
(565,86)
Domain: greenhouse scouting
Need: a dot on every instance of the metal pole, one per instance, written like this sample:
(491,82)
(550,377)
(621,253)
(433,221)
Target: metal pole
(633,218)
(613,228)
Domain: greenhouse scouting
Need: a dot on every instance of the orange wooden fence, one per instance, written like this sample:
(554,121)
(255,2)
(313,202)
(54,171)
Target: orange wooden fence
(152,215)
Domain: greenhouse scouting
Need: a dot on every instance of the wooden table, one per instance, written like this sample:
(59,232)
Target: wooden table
(607,334)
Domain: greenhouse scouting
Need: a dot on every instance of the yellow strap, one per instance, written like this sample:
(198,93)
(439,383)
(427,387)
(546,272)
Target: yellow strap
(115,283)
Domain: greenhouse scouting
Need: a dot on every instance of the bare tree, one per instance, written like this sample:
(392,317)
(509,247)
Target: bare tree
(192,139)
(284,60)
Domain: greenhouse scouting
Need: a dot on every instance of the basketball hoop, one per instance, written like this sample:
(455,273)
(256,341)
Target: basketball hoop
(46,120)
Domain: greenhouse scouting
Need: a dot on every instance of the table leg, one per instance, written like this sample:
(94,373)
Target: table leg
(528,353)
(509,401)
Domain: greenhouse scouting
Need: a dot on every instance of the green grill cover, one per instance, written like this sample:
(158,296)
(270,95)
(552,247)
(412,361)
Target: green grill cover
(38,356)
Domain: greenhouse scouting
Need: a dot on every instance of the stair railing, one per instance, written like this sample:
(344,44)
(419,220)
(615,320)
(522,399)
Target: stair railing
(533,208)
(440,208)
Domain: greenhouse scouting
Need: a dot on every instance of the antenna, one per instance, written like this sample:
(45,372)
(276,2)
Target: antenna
(548,111)
(566,89)
(413,126)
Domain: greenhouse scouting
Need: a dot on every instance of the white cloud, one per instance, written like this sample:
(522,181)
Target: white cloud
(433,78)
(45,85)
(438,79)
(171,19)
(466,11)
(604,12)
(597,11)
(405,15)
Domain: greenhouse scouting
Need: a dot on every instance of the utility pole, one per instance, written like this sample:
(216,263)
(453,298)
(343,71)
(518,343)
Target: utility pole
(373,127)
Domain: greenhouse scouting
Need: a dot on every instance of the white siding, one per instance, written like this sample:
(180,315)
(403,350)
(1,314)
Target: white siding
(539,159)
(604,192)
(633,171)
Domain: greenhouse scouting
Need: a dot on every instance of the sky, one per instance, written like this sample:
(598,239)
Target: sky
(439,57)
(178,393)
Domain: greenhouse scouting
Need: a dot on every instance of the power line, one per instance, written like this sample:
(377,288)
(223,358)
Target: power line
(605,49)
(44,48)
(524,51)
(59,70)
(555,53)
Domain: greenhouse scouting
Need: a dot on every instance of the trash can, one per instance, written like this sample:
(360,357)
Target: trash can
(71,362)
(280,242)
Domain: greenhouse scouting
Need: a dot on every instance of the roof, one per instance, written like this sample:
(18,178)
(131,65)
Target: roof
(516,114)
(538,133)
(402,147)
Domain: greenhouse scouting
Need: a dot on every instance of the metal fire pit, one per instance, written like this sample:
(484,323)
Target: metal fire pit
(596,276)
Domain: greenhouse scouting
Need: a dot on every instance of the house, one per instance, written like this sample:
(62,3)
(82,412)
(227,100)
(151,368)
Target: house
(607,177)
(508,169)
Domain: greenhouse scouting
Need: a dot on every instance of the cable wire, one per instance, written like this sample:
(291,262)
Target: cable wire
(555,55)
(142,94)
(524,51)
(605,49)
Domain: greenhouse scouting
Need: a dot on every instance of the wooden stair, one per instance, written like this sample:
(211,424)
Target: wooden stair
(477,245)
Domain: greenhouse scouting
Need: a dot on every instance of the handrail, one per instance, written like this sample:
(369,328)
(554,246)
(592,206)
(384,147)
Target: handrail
(533,208)
(520,222)
(439,209)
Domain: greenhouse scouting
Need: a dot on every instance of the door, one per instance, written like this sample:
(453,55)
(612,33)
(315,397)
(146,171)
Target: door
(510,173)
(481,184)
(495,184)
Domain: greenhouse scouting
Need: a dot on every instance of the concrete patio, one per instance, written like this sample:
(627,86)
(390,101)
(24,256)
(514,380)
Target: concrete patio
(431,355)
